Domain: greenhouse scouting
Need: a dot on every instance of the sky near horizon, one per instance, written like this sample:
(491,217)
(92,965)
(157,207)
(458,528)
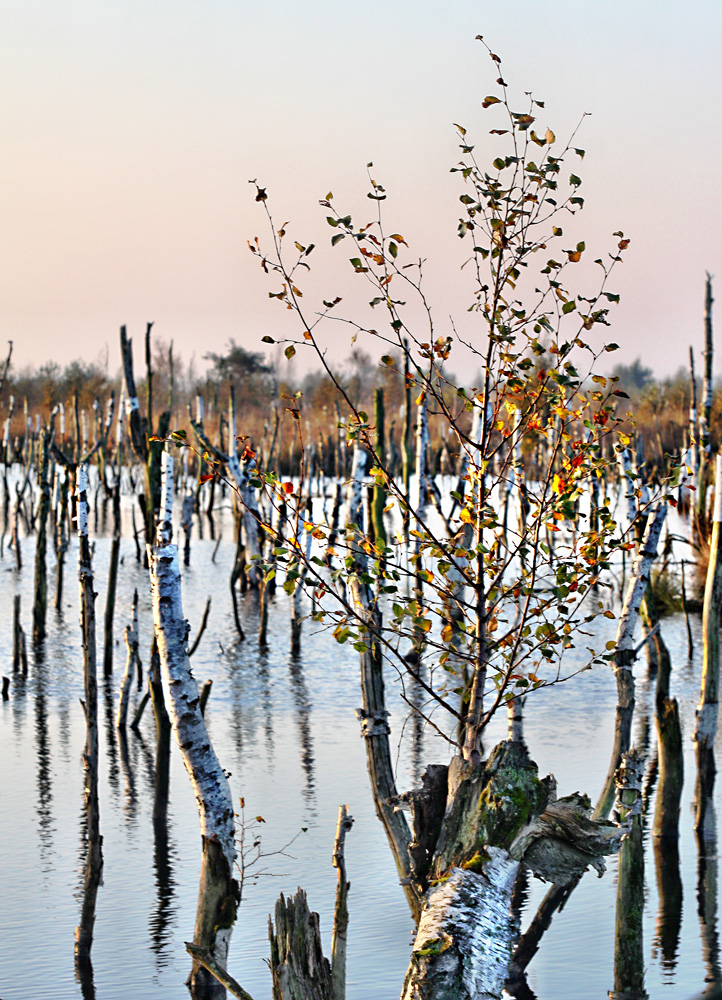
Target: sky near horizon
(130,131)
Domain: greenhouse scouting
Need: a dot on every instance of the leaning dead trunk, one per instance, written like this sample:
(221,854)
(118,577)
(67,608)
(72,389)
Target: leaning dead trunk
(624,655)
(218,890)
(375,730)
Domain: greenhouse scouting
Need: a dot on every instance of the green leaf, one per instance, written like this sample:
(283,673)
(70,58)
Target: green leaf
(290,351)
(393,249)
(267,340)
(337,238)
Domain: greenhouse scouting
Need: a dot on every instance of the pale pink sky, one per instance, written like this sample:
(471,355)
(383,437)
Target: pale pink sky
(130,131)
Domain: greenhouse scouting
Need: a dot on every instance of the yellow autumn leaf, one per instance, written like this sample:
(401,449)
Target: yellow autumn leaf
(557,484)
(466,515)
(447,633)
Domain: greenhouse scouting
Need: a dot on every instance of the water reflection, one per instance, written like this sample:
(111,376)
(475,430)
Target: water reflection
(302,703)
(110,736)
(46,827)
(162,917)
(85,978)
(707,877)
(669,915)
(126,768)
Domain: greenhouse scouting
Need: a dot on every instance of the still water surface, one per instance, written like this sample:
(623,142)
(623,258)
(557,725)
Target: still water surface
(286,731)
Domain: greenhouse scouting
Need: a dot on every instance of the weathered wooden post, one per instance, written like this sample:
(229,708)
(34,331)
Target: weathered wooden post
(628,951)
(340,913)
(218,890)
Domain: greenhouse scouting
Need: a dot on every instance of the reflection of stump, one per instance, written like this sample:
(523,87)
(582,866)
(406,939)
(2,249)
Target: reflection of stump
(669,890)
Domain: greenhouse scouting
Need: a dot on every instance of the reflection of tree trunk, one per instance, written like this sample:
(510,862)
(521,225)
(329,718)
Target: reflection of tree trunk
(94,860)
(707,898)
(669,890)
(85,979)
(110,731)
(127,770)
(45,790)
(160,937)
(302,702)
(163,729)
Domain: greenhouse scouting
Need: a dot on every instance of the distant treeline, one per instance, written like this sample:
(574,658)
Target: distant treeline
(265,387)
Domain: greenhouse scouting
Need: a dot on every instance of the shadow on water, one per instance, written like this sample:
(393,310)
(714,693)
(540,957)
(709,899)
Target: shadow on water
(303,705)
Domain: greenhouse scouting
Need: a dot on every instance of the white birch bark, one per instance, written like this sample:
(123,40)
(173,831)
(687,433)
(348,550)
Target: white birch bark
(354,493)
(466,934)
(217,892)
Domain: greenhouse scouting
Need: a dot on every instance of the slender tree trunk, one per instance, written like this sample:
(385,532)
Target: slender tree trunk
(110,607)
(94,858)
(40,604)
